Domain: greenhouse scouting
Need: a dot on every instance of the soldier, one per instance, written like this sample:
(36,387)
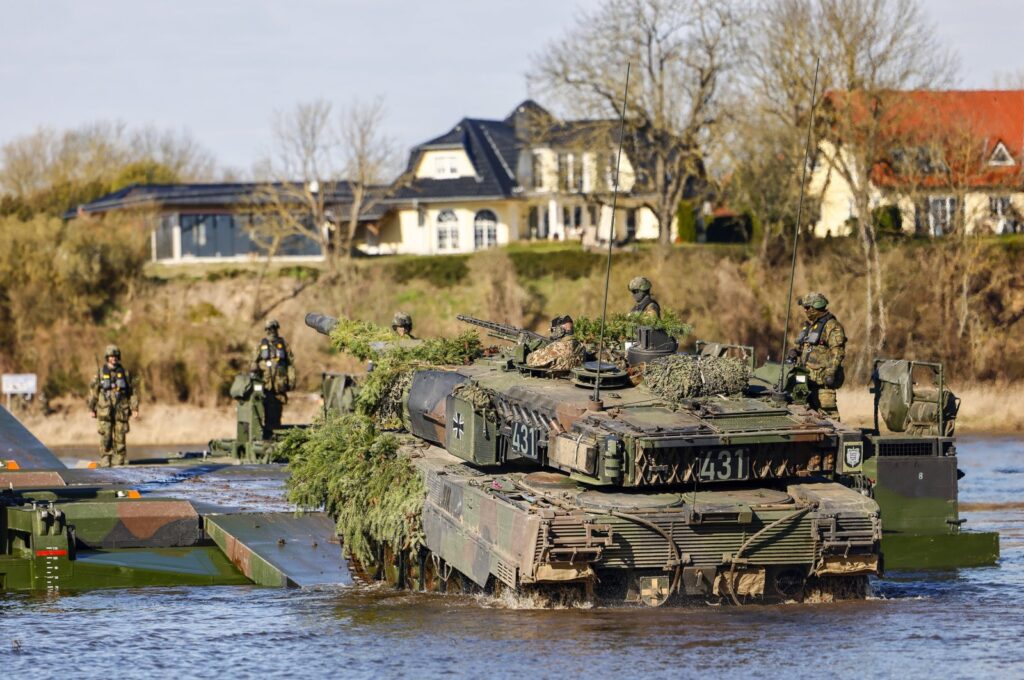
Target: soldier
(113,399)
(640,287)
(563,353)
(820,348)
(402,326)
(274,365)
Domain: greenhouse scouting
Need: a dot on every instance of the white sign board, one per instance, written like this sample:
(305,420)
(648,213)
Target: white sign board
(19,383)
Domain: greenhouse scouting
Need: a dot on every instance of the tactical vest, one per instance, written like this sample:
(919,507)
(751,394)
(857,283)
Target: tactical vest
(811,335)
(114,382)
(274,352)
(648,301)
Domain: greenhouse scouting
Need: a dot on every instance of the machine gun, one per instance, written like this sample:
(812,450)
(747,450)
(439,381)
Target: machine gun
(504,331)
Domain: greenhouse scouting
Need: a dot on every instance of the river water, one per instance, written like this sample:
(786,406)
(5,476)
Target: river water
(939,625)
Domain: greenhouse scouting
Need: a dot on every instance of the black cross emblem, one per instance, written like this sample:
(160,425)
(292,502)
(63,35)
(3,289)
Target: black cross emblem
(458,425)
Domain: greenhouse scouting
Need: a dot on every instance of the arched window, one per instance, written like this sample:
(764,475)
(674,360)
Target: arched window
(447,230)
(485,230)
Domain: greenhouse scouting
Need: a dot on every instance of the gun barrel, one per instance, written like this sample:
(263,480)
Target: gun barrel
(321,323)
(500,330)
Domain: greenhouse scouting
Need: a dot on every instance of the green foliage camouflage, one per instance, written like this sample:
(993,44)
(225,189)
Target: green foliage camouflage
(346,465)
(684,376)
(622,327)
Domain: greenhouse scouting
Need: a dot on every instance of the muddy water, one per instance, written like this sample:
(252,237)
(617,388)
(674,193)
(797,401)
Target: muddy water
(961,624)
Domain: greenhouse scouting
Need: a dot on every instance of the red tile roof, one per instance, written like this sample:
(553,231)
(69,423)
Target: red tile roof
(986,117)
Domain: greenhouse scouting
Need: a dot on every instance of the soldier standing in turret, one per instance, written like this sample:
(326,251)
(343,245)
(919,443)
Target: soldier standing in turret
(402,326)
(640,288)
(274,364)
(563,353)
(113,400)
(820,348)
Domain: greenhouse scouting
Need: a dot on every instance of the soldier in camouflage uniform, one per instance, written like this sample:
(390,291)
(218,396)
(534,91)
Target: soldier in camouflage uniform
(640,289)
(820,348)
(402,326)
(563,353)
(113,400)
(274,365)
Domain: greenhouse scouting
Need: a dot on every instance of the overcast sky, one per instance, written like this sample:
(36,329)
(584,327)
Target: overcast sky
(219,68)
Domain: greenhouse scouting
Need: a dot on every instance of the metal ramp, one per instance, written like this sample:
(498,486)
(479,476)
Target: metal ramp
(281,549)
(21,447)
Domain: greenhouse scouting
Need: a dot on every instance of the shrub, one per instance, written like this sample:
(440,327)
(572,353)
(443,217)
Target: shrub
(567,264)
(686,222)
(888,221)
(442,271)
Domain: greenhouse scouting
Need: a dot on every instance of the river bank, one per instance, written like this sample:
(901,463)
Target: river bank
(984,409)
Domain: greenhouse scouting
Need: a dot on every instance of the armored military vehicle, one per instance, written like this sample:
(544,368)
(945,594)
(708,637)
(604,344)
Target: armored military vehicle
(531,483)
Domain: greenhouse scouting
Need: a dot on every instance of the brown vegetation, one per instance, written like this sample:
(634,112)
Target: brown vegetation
(186,335)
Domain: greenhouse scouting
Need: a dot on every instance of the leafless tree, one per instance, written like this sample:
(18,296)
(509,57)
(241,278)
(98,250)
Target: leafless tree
(301,174)
(368,159)
(326,172)
(679,51)
(871,51)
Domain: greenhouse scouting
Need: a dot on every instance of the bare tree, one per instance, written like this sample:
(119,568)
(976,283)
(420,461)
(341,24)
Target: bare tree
(301,174)
(679,50)
(325,173)
(369,157)
(871,52)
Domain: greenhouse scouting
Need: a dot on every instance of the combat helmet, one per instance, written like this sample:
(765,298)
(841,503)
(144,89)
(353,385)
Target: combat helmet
(112,351)
(402,320)
(813,300)
(639,284)
(271,325)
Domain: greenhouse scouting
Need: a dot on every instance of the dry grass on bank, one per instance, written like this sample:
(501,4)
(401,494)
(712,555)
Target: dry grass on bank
(995,408)
(984,409)
(176,424)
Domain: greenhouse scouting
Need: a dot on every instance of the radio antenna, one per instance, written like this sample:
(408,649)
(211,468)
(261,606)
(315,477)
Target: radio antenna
(596,399)
(796,228)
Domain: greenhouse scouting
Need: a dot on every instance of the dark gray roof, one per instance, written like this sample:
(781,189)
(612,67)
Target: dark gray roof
(226,195)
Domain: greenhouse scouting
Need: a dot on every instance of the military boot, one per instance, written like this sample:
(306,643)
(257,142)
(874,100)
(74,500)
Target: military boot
(120,458)
(105,459)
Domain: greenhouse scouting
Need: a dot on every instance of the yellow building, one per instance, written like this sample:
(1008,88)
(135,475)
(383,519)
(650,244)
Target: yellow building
(952,161)
(488,182)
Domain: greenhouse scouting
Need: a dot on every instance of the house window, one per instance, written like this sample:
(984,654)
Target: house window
(446,166)
(485,230)
(1000,156)
(942,212)
(1002,210)
(421,216)
(447,230)
(564,174)
(537,171)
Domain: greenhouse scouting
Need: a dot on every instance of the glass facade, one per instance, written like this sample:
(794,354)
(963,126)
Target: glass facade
(221,235)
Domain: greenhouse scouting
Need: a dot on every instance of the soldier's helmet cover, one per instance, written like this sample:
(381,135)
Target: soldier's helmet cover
(813,300)
(271,325)
(402,320)
(112,351)
(560,320)
(639,283)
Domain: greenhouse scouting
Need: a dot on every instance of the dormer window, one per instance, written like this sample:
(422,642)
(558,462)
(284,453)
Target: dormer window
(446,166)
(1000,156)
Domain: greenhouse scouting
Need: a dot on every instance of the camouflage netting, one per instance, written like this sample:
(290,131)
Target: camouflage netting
(685,376)
(481,398)
(622,327)
(382,392)
(345,465)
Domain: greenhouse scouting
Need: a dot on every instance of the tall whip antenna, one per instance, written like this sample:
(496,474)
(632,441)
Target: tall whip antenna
(596,399)
(796,228)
